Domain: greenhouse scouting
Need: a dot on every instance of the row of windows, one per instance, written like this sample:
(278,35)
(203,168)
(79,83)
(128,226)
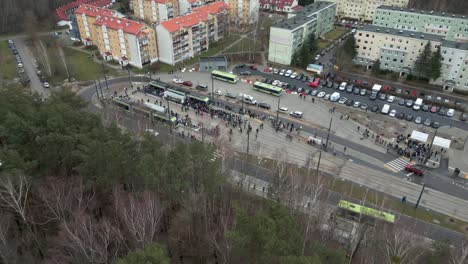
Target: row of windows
(430,18)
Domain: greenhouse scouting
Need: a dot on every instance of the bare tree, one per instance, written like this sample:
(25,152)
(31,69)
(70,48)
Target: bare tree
(459,255)
(140,215)
(400,245)
(7,249)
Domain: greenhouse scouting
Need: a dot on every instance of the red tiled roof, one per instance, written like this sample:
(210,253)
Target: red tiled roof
(277,3)
(161,1)
(94,11)
(61,11)
(126,25)
(213,8)
(296,7)
(198,14)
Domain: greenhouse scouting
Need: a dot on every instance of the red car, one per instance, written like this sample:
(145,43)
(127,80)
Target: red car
(187,83)
(414,169)
(253,67)
(315,83)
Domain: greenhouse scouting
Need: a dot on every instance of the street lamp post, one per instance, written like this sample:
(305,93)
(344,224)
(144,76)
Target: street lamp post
(318,164)
(328,134)
(277,111)
(420,195)
(169,115)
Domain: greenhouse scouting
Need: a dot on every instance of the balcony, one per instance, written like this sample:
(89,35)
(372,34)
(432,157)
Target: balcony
(143,41)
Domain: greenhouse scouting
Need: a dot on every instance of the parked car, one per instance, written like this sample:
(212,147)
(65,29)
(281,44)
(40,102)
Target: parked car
(373,96)
(264,105)
(299,76)
(357,104)
(442,111)
(409,103)
(364,106)
(177,80)
(296,114)
(425,108)
(275,71)
(187,83)
(401,102)
(231,95)
(382,97)
(253,67)
(435,124)
(239,66)
(218,92)
(363,92)
(463,117)
(202,87)
(434,109)
(46,84)
(246,73)
(349,89)
(409,118)
(282,72)
(391,99)
(283,109)
(327,97)
(342,100)
(392,113)
(321,94)
(314,92)
(427,122)
(288,73)
(417,170)
(418,120)
(356,91)
(374,108)
(349,102)
(293,75)
(400,116)
(304,78)
(20,65)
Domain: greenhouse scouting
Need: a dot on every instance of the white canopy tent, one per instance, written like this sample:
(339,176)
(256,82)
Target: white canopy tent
(419,136)
(441,142)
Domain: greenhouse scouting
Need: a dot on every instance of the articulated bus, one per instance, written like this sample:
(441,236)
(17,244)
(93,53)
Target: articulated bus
(358,212)
(224,76)
(120,103)
(267,88)
(198,99)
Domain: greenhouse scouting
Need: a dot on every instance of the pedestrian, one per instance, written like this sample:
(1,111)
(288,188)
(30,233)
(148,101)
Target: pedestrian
(344,149)
(313,100)
(358,128)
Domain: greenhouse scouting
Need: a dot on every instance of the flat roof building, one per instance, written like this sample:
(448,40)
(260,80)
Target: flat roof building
(398,50)
(363,10)
(287,35)
(213,63)
(453,27)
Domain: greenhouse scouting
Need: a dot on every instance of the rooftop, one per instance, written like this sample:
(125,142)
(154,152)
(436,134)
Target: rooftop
(126,25)
(94,11)
(433,13)
(198,14)
(309,10)
(403,33)
(278,3)
(294,22)
(64,10)
(213,59)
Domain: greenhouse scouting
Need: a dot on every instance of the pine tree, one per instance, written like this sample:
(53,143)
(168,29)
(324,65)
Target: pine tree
(295,57)
(304,55)
(436,65)
(421,65)
(350,47)
(312,43)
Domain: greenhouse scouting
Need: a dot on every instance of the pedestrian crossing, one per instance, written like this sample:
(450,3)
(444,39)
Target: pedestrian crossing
(397,165)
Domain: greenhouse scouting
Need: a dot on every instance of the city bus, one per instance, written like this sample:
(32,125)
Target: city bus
(267,88)
(176,96)
(198,99)
(224,76)
(120,103)
(357,212)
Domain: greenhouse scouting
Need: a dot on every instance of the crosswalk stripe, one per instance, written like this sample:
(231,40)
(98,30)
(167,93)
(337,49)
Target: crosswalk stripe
(397,164)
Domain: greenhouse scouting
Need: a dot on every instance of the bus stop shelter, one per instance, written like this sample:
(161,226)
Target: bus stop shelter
(419,136)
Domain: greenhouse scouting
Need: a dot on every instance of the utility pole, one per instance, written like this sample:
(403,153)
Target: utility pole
(328,134)
(318,164)
(277,112)
(169,115)
(104,72)
(129,76)
(100,88)
(420,194)
(430,147)
(97,91)
(212,89)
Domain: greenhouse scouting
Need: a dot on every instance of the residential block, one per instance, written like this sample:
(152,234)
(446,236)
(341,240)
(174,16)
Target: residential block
(243,12)
(363,10)
(156,11)
(117,38)
(184,37)
(453,27)
(287,36)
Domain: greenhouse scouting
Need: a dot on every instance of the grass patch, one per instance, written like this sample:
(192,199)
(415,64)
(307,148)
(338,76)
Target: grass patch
(334,33)
(323,44)
(245,45)
(83,68)
(8,62)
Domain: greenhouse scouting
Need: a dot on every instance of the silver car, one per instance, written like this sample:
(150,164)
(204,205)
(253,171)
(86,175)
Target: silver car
(418,120)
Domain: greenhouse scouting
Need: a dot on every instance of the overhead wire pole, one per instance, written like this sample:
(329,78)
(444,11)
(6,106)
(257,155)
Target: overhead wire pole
(277,113)
(420,195)
(97,91)
(328,134)
(318,164)
(104,72)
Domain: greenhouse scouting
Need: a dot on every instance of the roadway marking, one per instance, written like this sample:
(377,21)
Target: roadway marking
(397,165)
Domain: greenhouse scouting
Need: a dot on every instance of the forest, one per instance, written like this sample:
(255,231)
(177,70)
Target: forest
(73,190)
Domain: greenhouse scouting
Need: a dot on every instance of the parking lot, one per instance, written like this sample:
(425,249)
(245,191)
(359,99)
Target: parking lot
(358,93)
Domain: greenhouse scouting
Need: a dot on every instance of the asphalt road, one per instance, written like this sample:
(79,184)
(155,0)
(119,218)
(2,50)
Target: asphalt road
(443,120)
(29,67)
(436,181)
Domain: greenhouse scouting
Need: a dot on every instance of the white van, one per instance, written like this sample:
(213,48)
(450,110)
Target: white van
(417,105)
(247,99)
(343,86)
(335,97)
(385,109)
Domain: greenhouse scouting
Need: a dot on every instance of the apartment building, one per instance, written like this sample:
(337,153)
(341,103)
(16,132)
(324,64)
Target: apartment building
(398,50)
(288,35)
(184,37)
(285,6)
(363,10)
(117,38)
(186,6)
(454,27)
(156,11)
(243,12)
